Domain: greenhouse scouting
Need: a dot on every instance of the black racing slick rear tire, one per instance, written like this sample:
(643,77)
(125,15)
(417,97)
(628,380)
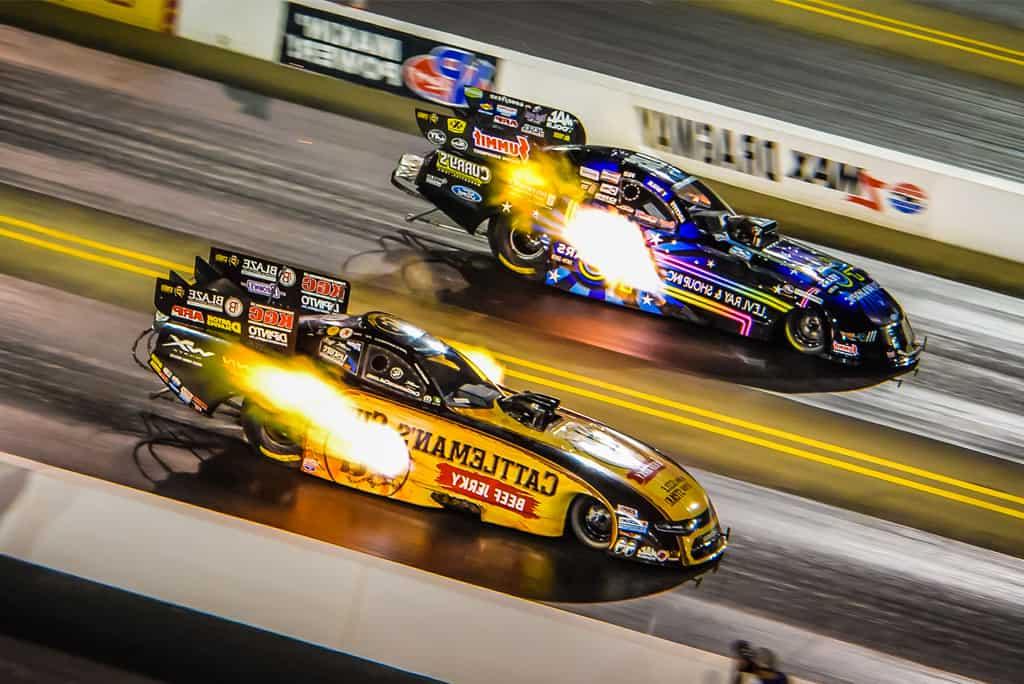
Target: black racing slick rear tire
(807,330)
(517,247)
(591,522)
(269,438)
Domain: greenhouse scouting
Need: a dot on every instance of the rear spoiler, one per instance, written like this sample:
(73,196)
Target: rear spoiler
(496,125)
(248,298)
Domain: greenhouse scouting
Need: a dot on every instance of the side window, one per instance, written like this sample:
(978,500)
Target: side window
(390,372)
(648,208)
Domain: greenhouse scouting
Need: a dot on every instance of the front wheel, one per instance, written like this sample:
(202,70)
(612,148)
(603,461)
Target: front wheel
(270,438)
(807,330)
(591,522)
(517,246)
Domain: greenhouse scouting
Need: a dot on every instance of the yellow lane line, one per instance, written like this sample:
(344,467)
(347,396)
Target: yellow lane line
(899,31)
(672,417)
(918,27)
(80,254)
(101,246)
(768,444)
(764,429)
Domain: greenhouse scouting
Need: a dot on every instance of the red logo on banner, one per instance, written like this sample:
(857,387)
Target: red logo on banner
(178,311)
(644,473)
(487,490)
(520,147)
(279,319)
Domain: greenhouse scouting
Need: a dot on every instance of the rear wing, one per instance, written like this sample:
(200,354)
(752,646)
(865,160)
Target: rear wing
(250,299)
(496,125)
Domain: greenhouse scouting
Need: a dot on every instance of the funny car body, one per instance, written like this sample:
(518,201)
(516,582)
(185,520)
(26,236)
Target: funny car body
(517,459)
(523,172)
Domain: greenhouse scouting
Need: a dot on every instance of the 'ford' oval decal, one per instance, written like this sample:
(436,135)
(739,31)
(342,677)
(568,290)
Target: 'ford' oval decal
(468,194)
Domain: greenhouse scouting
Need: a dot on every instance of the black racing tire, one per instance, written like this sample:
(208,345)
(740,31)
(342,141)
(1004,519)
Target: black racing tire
(268,439)
(807,330)
(591,522)
(516,249)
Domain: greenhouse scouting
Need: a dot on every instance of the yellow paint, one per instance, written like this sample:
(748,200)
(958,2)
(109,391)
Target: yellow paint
(149,14)
(903,32)
(80,254)
(101,246)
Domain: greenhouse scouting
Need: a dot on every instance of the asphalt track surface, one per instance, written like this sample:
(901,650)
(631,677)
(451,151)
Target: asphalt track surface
(803,577)
(922,109)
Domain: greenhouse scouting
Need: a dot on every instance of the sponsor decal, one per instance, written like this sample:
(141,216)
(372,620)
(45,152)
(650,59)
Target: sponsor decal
(274,337)
(674,490)
(646,472)
(662,555)
(606,198)
(187,314)
(396,373)
(506,121)
(287,278)
(907,198)
(436,181)
(456,126)
(324,287)
(233,307)
(629,524)
(460,144)
(463,169)
(468,194)
(331,353)
(224,324)
(437,136)
(520,147)
(627,511)
(535,114)
(845,349)
(394,61)
(625,546)
(533,130)
(186,346)
(268,316)
(201,299)
(486,490)
(261,270)
(647,553)
(611,176)
(319,304)
(345,333)
(592,174)
(609,189)
(310,465)
(262,289)
(560,121)
(505,110)
(857,295)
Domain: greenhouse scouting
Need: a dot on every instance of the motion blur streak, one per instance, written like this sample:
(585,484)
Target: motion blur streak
(614,245)
(770,445)
(305,403)
(904,32)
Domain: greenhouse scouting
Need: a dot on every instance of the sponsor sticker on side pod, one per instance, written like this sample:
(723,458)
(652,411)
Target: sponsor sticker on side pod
(279,284)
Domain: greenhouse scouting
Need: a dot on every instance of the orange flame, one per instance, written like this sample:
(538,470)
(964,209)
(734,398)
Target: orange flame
(310,404)
(615,246)
(483,360)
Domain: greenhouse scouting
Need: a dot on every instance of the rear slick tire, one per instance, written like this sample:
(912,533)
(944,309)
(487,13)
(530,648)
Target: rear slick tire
(518,250)
(269,440)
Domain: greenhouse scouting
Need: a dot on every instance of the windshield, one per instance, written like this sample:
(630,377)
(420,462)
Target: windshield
(695,195)
(458,380)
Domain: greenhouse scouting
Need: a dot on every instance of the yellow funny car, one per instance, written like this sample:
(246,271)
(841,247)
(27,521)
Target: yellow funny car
(375,403)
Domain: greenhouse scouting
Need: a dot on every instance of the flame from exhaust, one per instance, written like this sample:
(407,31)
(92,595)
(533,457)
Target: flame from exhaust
(311,405)
(484,362)
(616,246)
(540,182)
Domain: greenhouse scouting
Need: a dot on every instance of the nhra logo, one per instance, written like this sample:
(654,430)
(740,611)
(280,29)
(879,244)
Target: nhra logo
(441,75)
(520,147)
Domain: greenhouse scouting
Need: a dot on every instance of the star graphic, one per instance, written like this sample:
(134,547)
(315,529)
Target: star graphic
(553,275)
(653,238)
(793,271)
(646,299)
(777,289)
(506,207)
(711,263)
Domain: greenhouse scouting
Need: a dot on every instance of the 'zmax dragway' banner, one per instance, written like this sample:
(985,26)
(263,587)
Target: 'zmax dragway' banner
(374,56)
